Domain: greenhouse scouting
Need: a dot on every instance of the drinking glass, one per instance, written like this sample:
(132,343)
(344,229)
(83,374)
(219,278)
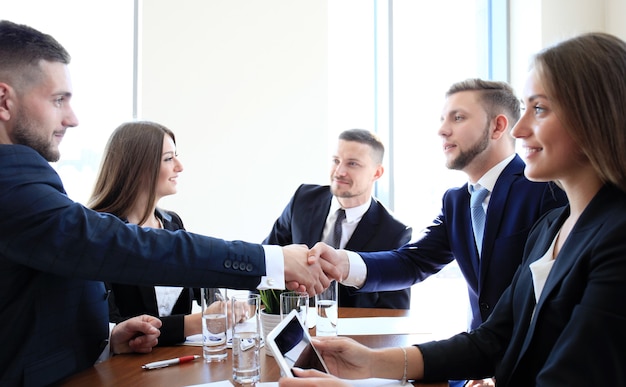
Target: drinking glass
(327,312)
(294,300)
(214,323)
(246,332)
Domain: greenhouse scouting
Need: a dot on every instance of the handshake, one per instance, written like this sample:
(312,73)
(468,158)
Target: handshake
(311,270)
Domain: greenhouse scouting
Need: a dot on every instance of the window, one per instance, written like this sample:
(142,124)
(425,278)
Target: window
(390,63)
(101,71)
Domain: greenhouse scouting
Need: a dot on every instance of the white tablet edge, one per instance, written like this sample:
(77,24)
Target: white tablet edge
(280,359)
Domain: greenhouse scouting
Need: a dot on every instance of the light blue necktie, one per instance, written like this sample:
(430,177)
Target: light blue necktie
(478,215)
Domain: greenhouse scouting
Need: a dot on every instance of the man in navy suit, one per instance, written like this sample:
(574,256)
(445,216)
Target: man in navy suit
(475,130)
(368,226)
(54,252)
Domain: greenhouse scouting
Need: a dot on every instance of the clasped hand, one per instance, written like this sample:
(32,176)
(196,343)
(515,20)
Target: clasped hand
(311,270)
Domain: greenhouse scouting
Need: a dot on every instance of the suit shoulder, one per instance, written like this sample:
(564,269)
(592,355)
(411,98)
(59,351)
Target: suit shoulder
(309,192)
(388,215)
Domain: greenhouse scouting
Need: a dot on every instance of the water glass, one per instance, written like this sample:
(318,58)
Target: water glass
(214,313)
(246,332)
(294,300)
(327,312)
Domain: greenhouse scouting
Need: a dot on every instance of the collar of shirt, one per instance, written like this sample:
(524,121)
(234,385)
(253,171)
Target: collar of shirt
(488,180)
(353,214)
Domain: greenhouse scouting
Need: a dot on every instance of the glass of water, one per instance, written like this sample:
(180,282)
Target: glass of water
(294,300)
(327,312)
(246,332)
(214,312)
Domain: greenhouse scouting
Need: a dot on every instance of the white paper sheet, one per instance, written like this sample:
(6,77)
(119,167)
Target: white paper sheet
(380,326)
(356,383)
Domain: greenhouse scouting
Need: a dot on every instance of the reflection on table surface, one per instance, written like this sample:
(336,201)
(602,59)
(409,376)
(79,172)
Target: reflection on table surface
(126,369)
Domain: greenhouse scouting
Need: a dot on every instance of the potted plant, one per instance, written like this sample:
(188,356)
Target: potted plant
(270,314)
(270,298)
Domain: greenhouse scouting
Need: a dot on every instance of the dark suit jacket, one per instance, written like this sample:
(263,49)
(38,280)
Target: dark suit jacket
(577,334)
(303,219)
(54,253)
(514,206)
(126,301)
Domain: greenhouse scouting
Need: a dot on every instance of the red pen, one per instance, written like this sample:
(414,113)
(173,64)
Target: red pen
(165,363)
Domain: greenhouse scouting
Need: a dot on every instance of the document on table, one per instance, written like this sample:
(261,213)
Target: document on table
(380,326)
(374,382)
(196,340)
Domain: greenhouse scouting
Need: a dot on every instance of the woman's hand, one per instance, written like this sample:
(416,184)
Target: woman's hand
(345,357)
(311,378)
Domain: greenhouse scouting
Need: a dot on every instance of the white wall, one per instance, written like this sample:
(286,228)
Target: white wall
(615,14)
(536,24)
(243,84)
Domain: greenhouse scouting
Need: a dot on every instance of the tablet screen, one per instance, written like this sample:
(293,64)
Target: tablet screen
(294,345)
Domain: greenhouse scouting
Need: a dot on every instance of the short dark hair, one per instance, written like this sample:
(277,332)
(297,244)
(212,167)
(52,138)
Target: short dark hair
(368,138)
(497,97)
(22,49)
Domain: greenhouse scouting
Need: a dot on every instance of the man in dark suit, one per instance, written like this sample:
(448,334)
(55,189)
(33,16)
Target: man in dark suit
(54,252)
(368,225)
(476,122)
(475,130)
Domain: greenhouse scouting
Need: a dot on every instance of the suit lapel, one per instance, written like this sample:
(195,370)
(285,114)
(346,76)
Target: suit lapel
(316,212)
(148,296)
(592,218)
(366,229)
(530,309)
(496,211)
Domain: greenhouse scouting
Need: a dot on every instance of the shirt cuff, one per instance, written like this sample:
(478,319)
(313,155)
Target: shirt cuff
(106,352)
(274,277)
(358,271)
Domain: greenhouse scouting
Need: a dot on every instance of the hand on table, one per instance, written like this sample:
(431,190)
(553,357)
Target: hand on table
(137,334)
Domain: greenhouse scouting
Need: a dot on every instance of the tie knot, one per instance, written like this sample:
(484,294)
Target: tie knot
(478,196)
(341,215)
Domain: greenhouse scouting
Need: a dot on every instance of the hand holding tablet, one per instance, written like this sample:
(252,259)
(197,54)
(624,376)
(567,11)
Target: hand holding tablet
(291,345)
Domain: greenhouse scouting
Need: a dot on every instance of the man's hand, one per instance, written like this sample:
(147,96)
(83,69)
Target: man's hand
(137,334)
(335,263)
(303,274)
(491,382)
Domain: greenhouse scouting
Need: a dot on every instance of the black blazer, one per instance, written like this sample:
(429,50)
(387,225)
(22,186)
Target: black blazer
(54,255)
(302,222)
(126,300)
(575,335)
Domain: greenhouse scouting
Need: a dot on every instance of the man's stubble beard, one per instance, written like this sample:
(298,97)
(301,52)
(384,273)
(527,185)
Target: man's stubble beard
(466,157)
(26,134)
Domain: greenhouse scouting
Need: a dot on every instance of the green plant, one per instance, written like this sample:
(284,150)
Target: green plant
(270,298)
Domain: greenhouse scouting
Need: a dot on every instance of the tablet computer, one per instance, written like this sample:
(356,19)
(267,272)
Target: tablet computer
(291,346)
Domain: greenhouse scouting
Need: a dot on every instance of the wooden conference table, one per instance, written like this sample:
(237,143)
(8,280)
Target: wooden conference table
(125,370)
